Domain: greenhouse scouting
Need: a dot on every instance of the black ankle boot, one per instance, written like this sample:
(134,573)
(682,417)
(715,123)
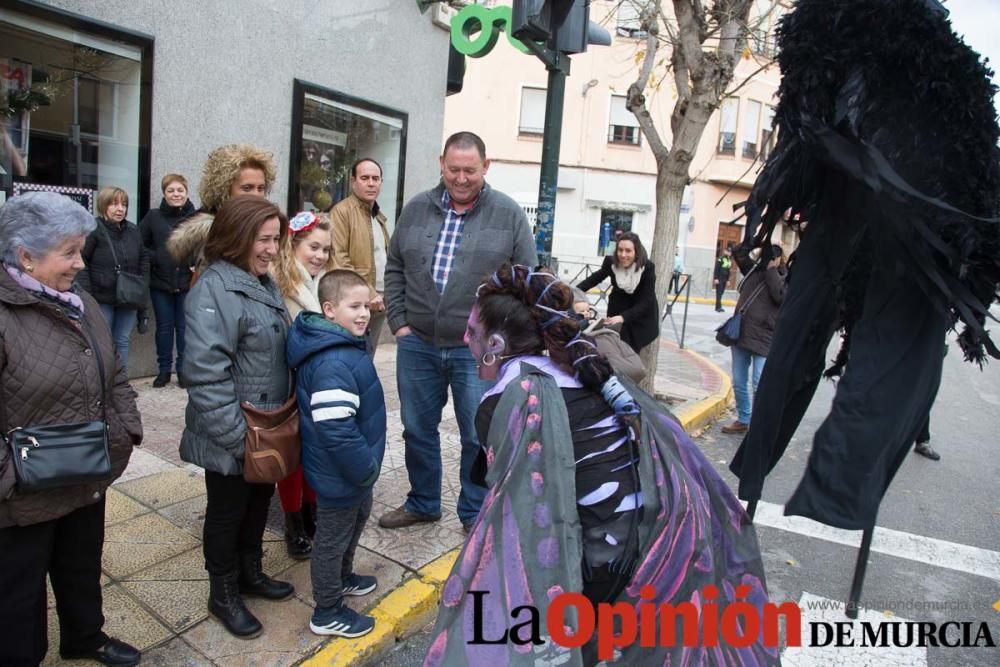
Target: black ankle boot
(309,519)
(253,581)
(162,380)
(296,539)
(225,603)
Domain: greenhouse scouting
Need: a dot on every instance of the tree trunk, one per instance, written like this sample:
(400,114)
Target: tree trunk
(701,77)
(669,193)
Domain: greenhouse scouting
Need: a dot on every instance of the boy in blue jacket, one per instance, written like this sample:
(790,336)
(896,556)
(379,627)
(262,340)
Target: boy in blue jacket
(342,422)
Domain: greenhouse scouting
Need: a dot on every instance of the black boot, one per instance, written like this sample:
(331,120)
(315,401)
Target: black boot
(253,581)
(296,537)
(309,519)
(162,380)
(225,603)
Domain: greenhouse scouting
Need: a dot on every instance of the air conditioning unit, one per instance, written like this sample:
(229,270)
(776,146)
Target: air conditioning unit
(445,11)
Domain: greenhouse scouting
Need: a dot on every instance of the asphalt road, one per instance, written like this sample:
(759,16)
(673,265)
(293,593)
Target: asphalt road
(936,554)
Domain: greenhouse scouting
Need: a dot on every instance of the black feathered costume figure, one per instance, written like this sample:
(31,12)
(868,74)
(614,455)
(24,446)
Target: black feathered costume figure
(887,148)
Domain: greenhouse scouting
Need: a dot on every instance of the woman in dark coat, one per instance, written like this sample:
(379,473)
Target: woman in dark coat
(55,351)
(761,294)
(632,303)
(99,276)
(168,280)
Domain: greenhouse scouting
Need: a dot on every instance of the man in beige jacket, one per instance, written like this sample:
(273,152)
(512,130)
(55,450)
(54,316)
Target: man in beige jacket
(360,238)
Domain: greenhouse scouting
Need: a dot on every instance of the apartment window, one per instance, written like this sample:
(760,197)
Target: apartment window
(623,128)
(751,124)
(330,130)
(727,125)
(629,22)
(532,111)
(767,132)
(763,17)
(96,102)
(531,212)
(613,224)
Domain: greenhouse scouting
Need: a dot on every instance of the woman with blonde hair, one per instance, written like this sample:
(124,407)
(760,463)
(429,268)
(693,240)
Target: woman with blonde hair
(305,258)
(230,170)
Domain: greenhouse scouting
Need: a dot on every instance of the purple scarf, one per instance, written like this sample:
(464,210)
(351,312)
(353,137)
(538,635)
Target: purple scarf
(32,285)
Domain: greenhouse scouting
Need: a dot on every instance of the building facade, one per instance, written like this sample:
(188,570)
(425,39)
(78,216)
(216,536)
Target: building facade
(607,173)
(122,92)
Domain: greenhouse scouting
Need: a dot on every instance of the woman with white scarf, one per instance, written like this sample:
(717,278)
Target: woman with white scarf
(632,303)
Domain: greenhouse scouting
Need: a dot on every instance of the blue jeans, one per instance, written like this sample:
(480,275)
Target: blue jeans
(120,321)
(169,309)
(423,374)
(742,360)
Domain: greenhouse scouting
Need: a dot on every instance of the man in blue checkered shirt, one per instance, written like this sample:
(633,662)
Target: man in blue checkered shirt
(447,240)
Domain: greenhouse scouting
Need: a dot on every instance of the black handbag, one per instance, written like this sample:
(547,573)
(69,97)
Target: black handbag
(130,288)
(729,332)
(57,455)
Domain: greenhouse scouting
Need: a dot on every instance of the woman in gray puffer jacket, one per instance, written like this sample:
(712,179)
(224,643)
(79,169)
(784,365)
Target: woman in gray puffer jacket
(761,294)
(235,351)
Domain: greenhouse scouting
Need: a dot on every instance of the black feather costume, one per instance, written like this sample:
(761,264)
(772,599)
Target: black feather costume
(887,148)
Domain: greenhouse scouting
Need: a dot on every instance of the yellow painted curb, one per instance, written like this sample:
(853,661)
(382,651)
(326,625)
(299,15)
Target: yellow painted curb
(436,572)
(707,301)
(698,414)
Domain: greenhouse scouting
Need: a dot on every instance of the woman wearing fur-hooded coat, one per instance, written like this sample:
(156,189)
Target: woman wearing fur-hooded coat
(231,170)
(888,148)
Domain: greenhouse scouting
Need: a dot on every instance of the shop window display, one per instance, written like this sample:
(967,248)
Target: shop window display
(72,105)
(329,132)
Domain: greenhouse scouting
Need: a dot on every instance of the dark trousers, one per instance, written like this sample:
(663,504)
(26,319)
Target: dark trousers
(338,530)
(68,549)
(235,518)
(924,434)
(675,283)
(719,291)
(169,310)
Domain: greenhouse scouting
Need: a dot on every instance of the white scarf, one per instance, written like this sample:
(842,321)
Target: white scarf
(306,295)
(627,279)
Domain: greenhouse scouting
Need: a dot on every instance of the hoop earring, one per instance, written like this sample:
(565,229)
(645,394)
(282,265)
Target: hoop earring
(489,359)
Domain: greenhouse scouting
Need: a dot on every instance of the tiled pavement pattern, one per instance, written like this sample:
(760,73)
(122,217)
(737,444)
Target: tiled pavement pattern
(155,585)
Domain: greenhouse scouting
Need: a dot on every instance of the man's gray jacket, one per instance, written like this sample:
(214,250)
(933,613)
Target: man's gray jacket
(495,231)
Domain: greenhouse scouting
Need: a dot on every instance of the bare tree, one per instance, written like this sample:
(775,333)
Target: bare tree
(699,44)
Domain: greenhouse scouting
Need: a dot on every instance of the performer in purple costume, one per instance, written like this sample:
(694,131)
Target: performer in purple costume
(594,488)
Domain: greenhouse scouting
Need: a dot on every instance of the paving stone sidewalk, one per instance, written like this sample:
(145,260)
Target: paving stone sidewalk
(155,585)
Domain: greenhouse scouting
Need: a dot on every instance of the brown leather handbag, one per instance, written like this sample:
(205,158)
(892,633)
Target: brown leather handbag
(273,447)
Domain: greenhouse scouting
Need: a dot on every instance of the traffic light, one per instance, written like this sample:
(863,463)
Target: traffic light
(564,25)
(531,19)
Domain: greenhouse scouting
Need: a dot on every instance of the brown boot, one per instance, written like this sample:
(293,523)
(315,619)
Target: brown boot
(736,427)
(402,517)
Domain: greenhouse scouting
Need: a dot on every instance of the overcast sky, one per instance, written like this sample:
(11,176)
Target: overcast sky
(978,21)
